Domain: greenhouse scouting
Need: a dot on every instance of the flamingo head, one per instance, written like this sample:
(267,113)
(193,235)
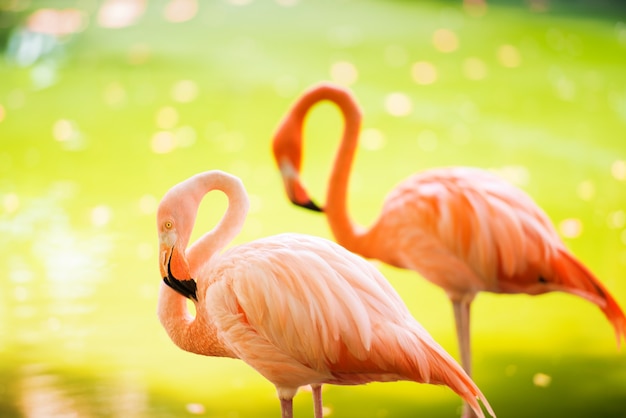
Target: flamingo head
(294,188)
(172,261)
(287,148)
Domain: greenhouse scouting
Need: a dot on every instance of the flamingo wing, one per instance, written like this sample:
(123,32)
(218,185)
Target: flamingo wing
(304,310)
(307,301)
(465,228)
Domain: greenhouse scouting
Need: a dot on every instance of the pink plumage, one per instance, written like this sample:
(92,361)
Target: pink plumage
(301,310)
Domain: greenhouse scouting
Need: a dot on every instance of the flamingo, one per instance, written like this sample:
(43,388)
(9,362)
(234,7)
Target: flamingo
(301,310)
(463,229)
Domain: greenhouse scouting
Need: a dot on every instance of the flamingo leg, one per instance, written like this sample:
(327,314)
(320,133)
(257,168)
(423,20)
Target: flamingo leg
(317,401)
(286,408)
(462,321)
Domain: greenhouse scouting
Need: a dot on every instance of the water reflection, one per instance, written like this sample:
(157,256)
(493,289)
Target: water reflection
(53,271)
(45,393)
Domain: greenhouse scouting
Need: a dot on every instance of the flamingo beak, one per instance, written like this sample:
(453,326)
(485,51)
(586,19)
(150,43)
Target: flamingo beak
(296,192)
(172,264)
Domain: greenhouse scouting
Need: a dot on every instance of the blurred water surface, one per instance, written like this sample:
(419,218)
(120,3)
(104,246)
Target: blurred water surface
(104,105)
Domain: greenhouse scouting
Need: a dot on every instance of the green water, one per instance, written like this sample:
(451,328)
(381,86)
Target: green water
(96,131)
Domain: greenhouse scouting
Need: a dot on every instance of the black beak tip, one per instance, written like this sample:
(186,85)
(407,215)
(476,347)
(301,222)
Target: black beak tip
(187,288)
(310,205)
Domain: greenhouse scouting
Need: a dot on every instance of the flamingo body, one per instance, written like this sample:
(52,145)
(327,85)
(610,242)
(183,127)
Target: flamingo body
(463,229)
(300,310)
(303,310)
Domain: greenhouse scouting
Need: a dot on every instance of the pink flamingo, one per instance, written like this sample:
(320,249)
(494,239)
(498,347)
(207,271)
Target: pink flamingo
(463,229)
(300,310)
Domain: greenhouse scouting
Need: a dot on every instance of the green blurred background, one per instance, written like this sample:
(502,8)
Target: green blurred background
(106,105)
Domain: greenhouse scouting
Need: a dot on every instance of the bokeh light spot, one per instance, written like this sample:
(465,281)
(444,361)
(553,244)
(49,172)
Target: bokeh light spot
(538,6)
(475,8)
(424,72)
(398,104)
(509,56)
(115,14)
(474,68)
(542,380)
(344,72)
(445,40)
(565,88)
(68,134)
(185,91)
(11,202)
(58,23)
(166,117)
(372,139)
(101,215)
(163,142)
(616,219)
(15,5)
(178,11)
(571,227)
(63,130)
(145,250)
(147,204)
(586,190)
(2,113)
(195,408)
(618,170)
(114,94)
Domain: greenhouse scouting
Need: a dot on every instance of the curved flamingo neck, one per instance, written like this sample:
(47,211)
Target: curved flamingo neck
(229,226)
(196,333)
(345,231)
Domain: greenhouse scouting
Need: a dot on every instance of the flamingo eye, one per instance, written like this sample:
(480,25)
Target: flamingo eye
(168,224)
